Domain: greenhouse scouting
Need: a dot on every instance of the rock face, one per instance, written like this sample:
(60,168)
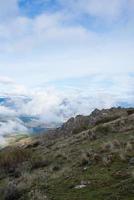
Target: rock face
(81,123)
(131,161)
(105,115)
(75,124)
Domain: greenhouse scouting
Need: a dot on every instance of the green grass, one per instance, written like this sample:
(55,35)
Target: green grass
(54,169)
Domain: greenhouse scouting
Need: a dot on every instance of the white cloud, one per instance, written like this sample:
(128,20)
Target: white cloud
(8,9)
(49,46)
(12,127)
(69,43)
(100,92)
(53,105)
(105,9)
(7,112)
(9,85)
(6,80)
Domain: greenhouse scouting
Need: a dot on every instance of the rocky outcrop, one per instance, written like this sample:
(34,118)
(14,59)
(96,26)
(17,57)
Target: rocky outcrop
(80,122)
(77,123)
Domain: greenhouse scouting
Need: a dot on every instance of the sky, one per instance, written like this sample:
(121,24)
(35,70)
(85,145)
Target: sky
(46,41)
(72,51)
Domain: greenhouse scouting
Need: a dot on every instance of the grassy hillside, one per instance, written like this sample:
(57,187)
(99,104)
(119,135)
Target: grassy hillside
(88,158)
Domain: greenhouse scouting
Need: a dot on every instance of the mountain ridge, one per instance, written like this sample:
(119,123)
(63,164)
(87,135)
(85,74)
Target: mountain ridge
(88,157)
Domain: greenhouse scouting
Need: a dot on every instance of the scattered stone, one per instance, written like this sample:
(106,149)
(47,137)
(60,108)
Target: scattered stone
(80,186)
(131,161)
(83,184)
(85,168)
(121,174)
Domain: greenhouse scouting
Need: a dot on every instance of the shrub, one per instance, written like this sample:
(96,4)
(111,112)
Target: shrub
(122,155)
(107,160)
(56,168)
(92,135)
(129,147)
(103,129)
(130,112)
(11,192)
(116,143)
(106,119)
(61,155)
(131,139)
(107,146)
(80,129)
(37,194)
(84,160)
(38,162)
(96,157)
(10,159)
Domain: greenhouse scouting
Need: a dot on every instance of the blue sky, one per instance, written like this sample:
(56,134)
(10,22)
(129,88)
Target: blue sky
(67,44)
(34,8)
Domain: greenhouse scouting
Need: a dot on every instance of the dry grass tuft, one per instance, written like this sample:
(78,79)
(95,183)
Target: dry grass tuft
(10,159)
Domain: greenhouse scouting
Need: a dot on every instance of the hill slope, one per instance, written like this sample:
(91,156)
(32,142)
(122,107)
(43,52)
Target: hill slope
(88,157)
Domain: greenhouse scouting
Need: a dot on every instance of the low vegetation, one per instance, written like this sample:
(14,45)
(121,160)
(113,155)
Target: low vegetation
(13,157)
(96,162)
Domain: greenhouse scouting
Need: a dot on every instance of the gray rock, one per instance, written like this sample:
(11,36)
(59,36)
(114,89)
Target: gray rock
(80,186)
(131,161)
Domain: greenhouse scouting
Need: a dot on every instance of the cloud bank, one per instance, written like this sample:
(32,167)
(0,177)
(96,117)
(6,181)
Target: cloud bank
(63,59)
(47,106)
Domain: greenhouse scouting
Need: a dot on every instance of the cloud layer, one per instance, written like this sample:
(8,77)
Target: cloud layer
(45,106)
(64,59)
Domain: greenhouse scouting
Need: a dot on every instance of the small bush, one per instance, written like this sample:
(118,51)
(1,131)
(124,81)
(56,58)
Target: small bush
(122,155)
(11,192)
(107,146)
(37,194)
(117,148)
(130,112)
(84,161)
(38,162)
(80,129)
(56,168)
(129,147)
(107,119)
(116,143)
(107,160)
(131,140)
(96,157)
(10,159)
(61,155)
(103,129)
(85,158)
(92,135)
